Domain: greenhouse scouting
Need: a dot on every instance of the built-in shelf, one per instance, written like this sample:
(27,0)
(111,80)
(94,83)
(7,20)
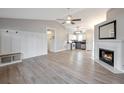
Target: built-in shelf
(7,59)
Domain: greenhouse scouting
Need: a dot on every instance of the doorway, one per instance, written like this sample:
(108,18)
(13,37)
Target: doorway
(50,40)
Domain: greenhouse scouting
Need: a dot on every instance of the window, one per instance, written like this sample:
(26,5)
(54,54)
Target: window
(72,37)
(81,37)
(78,37)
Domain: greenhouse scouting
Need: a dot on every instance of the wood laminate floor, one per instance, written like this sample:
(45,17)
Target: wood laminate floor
(67,67)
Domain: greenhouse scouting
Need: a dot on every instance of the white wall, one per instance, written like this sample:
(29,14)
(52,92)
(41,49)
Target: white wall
(30,44)
(118,15)
(35,28)
(33,44)
(114,14)
(89,39)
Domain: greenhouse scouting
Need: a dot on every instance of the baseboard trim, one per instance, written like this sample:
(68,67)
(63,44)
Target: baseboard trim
(60,50)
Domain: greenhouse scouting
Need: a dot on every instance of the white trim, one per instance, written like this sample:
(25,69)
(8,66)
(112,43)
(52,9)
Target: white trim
(53,29)
(108,67)
(110,41)
(14,62)
(60,50)
(117,47)
(35,56)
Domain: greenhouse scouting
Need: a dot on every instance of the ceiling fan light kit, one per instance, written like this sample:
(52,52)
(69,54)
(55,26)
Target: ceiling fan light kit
(69,17)
(68,22)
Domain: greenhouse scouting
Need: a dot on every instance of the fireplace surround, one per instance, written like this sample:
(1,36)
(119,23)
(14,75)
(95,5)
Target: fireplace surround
(106,56)
(116,45)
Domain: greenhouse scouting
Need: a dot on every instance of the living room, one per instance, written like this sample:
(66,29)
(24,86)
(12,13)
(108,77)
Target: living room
(67,45)
(61,46)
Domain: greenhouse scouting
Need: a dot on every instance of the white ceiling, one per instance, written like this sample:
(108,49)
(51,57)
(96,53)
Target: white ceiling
(89,16)
(36,13)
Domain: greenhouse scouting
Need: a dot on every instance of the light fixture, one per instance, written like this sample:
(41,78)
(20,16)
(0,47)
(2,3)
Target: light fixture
(69,17)
(49,32)
(68,22)
(77,32)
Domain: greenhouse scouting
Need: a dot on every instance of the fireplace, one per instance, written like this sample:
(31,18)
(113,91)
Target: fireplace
(106,56)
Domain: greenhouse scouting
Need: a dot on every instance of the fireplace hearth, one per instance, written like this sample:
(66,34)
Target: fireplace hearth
(106,56)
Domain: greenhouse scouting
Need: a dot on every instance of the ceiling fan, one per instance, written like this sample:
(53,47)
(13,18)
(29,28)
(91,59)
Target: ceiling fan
(69,19)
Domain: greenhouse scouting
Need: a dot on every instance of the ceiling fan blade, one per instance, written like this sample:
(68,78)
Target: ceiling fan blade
(60,19)
(76,19)
(72,22)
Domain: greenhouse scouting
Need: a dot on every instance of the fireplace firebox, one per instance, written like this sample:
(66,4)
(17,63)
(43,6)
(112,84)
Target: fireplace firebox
(106,56)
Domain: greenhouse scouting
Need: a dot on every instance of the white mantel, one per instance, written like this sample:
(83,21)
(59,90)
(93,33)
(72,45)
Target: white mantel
(117,47)
(115,41)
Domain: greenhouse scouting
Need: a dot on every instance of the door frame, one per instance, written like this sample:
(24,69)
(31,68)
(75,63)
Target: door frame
(54,30)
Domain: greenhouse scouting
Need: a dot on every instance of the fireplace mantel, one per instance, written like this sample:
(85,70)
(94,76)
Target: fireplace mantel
(121,41)
(117,47)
